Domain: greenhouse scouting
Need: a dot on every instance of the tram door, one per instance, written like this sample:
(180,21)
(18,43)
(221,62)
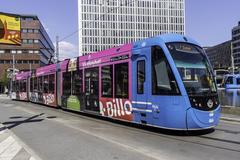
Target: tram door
(92,89)
(141,84)
(141,78)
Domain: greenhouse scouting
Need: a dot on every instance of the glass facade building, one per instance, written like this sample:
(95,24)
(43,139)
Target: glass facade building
(107,23)
(236,44)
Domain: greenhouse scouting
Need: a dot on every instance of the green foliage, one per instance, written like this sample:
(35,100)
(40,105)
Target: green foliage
(4,80)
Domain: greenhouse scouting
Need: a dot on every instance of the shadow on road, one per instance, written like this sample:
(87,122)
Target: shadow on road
(147,128)
(12,124)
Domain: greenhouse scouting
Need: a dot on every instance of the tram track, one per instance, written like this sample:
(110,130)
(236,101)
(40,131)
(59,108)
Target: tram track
(212,142)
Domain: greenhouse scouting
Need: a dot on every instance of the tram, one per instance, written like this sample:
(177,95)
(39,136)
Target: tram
(164,81)
(20,86)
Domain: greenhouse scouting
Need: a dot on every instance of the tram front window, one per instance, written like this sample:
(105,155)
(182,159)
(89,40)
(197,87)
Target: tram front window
(193,68)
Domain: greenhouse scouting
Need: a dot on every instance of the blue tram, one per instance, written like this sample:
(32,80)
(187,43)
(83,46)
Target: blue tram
(164,81)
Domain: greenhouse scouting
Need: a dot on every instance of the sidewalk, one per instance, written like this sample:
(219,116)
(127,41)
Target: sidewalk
(11,148)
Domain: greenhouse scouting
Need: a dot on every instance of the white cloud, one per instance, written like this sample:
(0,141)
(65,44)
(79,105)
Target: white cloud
(67,50)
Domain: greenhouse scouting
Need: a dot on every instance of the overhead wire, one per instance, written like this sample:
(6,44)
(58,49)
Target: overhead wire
(73,33)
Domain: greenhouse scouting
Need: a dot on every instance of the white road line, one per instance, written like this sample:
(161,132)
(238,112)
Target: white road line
(6,143)
(3,131)
(32,158)
(11,152)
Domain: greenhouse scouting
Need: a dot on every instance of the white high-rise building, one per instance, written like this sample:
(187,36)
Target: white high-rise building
(107,23)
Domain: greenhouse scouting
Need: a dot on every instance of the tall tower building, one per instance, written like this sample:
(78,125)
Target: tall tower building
(107,23)
(236,44)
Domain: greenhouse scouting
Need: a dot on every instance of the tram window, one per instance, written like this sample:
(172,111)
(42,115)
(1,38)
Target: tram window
(140,76)
(17,86)
(51,83)
(24,86)
(91,81)
(107,81)
(163,81)
(77,82)
(229,80)
(67,83)
(31,84)
(238,80)
(121,80)
(45,84)
(14,86)
(21,86)
(35,86)
(40,84)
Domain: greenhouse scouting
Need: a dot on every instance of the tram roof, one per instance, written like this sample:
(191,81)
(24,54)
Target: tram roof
(23,75)
(162,39)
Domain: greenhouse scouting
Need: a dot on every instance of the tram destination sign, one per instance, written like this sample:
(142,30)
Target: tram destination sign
(118,58)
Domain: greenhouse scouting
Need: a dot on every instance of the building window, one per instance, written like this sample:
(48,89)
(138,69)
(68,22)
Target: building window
(36,41)
(2,51)
(24,41)
(36,52)
(24,31)
(13,51)
(30,41)
(19,51)
(30,31)
(35,31)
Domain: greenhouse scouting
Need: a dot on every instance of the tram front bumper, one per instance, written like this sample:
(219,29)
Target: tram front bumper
(197,119)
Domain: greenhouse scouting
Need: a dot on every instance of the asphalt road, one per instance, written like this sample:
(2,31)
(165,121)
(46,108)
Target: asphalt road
(54,134)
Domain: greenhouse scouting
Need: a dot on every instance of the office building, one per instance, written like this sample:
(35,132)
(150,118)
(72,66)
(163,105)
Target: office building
(107,23)
(236,44)
(220,55)
(30,43)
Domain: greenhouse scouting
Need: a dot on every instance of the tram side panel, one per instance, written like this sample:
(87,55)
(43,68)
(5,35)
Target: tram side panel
(20,86)
(43,82)
(157,99)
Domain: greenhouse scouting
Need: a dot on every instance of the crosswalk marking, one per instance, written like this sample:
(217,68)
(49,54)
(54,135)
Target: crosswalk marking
(12,148)
(3,131)
(11,152)
(32,158)
(6,143)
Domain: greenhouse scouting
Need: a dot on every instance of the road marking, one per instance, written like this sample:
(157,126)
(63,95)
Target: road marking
(11,151)
(32,158)
(3,131)
(142,151)
(6,143)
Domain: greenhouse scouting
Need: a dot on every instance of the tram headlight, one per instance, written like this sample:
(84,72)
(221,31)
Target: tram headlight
(206,103)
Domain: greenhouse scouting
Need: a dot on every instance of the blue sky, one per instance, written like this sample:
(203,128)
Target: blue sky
(208,21)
